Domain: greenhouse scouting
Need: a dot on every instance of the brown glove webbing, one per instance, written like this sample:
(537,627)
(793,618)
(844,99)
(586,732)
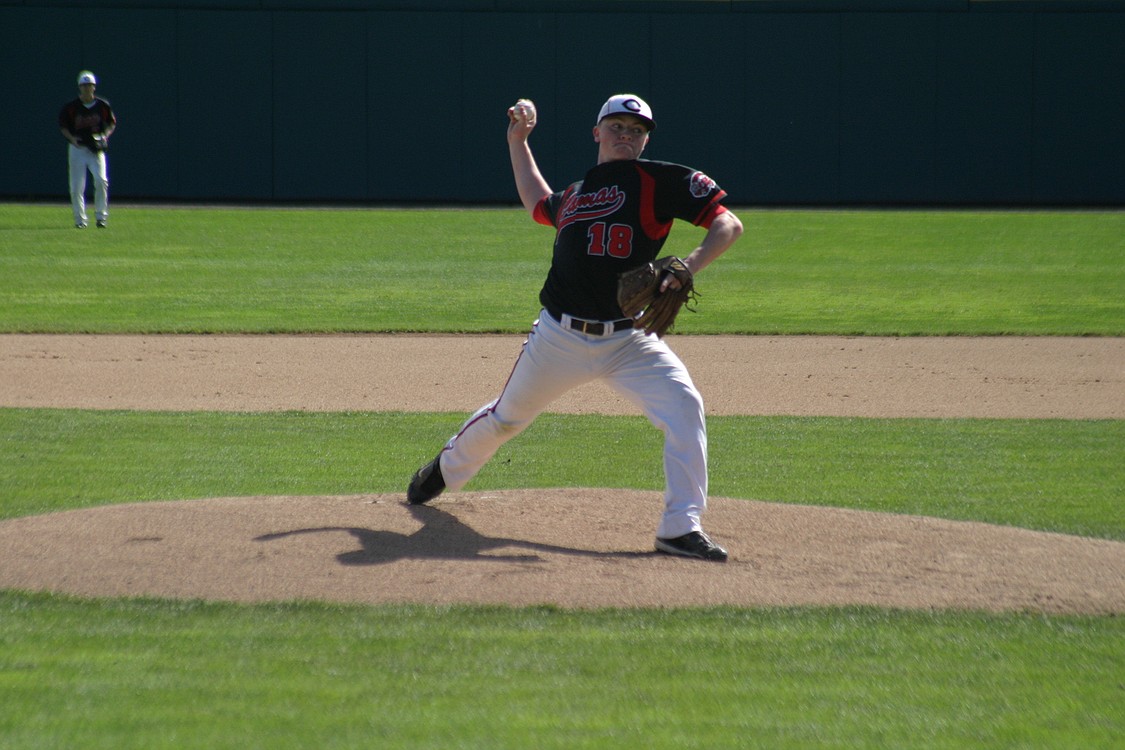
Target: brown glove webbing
(640,298)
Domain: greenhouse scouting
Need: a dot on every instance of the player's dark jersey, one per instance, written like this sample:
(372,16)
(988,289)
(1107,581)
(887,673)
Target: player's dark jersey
(615,219)
(85,121)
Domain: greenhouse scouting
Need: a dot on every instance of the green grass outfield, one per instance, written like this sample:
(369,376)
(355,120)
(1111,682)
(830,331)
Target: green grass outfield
(848,272)
(169,674)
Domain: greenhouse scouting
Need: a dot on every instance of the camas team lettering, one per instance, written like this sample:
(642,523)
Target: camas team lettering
(589,206)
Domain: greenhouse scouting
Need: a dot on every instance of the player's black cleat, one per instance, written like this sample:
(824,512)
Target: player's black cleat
(696,544)
(426,484)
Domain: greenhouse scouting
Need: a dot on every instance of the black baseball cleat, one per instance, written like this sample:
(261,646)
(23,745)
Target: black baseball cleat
(101,223)
(426,484)
(696,544)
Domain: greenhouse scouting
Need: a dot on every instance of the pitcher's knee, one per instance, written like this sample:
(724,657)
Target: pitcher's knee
(508,428)
(689,405)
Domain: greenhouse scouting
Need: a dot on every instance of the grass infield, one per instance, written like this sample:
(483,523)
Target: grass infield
(163,674)
(1050,475)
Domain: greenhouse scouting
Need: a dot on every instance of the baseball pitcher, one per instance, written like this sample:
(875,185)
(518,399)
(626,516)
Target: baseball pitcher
(606,304)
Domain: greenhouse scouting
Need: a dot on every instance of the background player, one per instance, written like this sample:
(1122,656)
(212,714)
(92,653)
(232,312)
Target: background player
(87,123)
(616,218)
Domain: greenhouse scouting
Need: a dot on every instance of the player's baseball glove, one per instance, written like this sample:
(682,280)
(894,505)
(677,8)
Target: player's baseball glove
(640,298)
(96,142)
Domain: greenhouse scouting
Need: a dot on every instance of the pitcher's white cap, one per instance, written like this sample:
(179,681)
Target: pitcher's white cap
(627,104)
(87,77)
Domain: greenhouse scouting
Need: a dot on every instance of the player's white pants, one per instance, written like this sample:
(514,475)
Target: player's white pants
(643,369)
(81,161)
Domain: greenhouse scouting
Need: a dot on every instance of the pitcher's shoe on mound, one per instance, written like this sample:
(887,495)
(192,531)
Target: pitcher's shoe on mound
(426,484)
(696,544)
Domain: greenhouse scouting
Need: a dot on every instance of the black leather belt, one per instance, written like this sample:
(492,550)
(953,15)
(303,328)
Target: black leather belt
(598,329)
(593,327)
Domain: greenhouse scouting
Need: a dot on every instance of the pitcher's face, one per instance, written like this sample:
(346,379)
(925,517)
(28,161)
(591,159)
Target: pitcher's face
(620,137)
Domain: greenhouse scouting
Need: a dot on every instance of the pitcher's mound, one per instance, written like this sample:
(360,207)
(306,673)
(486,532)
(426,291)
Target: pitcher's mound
(564,547)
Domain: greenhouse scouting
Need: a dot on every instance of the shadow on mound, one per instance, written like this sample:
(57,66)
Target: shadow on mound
(581,548)
(442,537)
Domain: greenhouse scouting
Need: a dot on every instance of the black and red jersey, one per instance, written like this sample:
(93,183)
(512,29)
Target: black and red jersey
(615,219)
(87,120)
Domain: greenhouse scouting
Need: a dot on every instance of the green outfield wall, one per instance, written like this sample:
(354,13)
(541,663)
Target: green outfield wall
(933,102)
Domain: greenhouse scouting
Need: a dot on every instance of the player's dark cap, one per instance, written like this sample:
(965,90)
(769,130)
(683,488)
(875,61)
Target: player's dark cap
(627,104)
(86,77)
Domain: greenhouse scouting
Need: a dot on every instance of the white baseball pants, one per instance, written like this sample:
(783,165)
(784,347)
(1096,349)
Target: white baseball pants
(643,369)
(81,161)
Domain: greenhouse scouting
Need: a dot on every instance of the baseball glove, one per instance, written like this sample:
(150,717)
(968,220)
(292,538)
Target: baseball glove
(95,142)
(640,298)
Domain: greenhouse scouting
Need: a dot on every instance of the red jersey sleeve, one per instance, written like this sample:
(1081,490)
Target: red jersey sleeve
(541,214)
(712,211)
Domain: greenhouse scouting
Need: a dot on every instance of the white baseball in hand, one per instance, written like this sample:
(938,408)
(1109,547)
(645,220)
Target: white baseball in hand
(524,111)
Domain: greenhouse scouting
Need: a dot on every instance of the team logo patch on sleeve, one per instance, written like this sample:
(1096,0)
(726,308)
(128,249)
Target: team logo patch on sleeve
(701,185)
